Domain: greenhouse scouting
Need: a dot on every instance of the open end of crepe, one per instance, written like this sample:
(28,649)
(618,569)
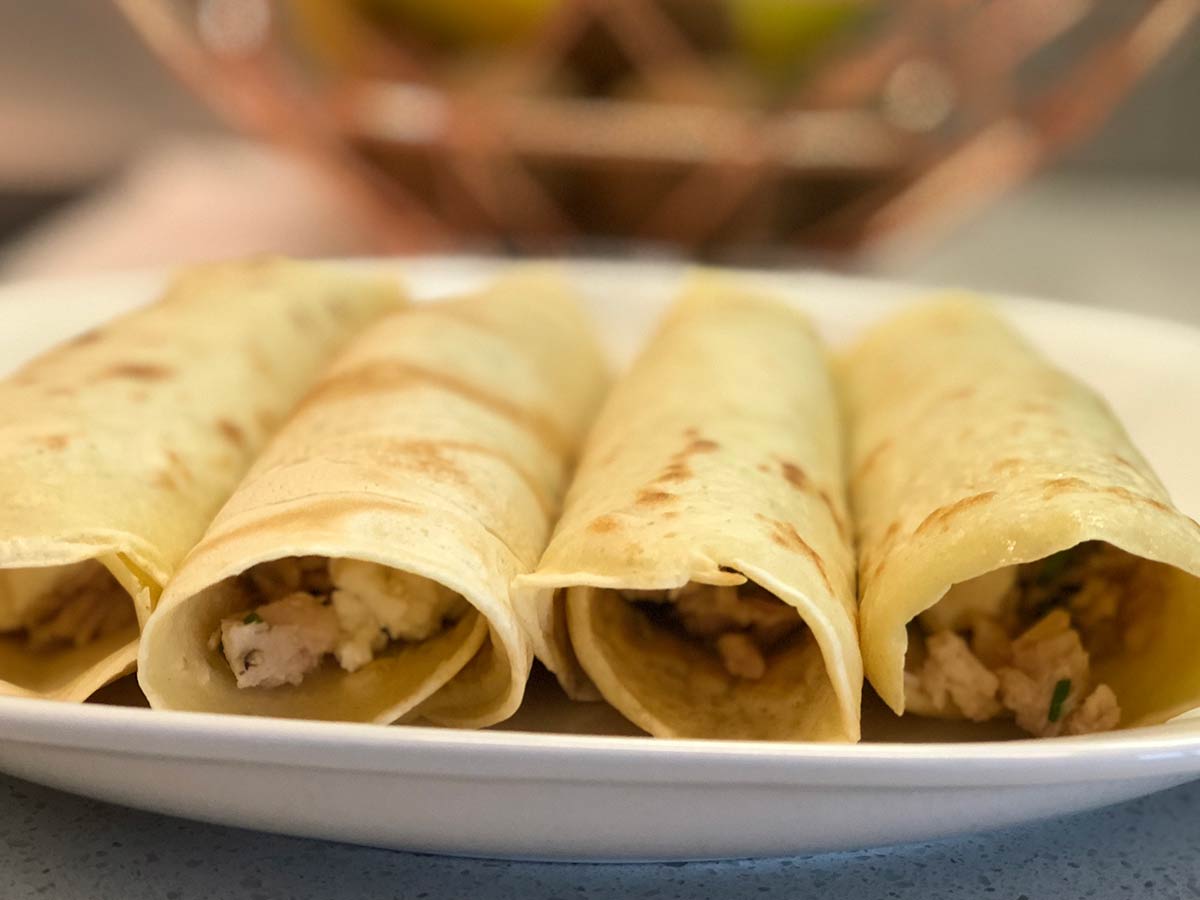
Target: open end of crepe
(52,608)
(741,625)
(1024,641)
(659,662)
(64,630)
(297,612)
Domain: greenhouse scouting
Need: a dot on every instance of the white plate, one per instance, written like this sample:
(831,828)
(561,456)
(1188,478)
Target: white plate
(586,787)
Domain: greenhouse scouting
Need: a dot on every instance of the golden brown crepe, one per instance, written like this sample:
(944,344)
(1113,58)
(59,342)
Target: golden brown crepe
(702,575)
(117,448)
(362,569)
(977,464)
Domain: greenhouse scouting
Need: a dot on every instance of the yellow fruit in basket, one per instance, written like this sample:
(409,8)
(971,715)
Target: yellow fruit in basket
(465,23)
(326,30)
(781,36)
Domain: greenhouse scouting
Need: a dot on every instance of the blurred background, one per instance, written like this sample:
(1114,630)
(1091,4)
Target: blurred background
(1018,145)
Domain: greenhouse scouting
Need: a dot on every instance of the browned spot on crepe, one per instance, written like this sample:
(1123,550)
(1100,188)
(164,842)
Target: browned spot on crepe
(176,459)
(1126,494)
(890,533)
(603,525)
(232,432)
(386,377)
(1122,461)
(670,514)
(868,461)
(763,467)
(879,567)
(793,474)
(695,444)
(164,480)
(943,513)
(138,371)
(91,336)
(1061,485)
(786,536)
(838,522)
(676,471)
(650,497)
(53,441)
(178,468)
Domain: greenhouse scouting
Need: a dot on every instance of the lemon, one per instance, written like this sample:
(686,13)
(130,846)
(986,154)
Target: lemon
(781,36)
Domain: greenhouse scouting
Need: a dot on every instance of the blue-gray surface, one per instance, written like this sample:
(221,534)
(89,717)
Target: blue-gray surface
(58,846)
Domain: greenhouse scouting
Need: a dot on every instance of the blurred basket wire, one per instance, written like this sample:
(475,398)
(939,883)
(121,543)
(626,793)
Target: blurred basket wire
(725,128)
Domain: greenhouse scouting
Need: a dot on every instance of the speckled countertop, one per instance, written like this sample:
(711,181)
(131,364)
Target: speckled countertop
(58,846)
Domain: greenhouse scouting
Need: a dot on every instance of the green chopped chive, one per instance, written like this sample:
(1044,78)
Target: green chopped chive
(1061,690)
(252,618)
(1053,566)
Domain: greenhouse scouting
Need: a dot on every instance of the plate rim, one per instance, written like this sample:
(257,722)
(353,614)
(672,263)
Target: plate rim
(1153,752)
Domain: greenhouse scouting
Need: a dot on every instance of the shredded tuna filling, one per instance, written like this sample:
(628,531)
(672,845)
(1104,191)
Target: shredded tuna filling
(303,609)
(742,624)
(1020,641)
(68,605)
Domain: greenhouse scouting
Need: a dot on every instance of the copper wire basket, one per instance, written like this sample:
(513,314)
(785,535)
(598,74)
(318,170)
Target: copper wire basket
(646,121)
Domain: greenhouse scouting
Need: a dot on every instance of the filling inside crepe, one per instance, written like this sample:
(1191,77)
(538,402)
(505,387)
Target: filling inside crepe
(299,610)
(52,607)
(742,624)
(1022,641)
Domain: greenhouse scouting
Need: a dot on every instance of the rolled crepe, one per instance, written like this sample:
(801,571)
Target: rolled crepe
(702,575)
(1012,541)
(362,569)
(118,447)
